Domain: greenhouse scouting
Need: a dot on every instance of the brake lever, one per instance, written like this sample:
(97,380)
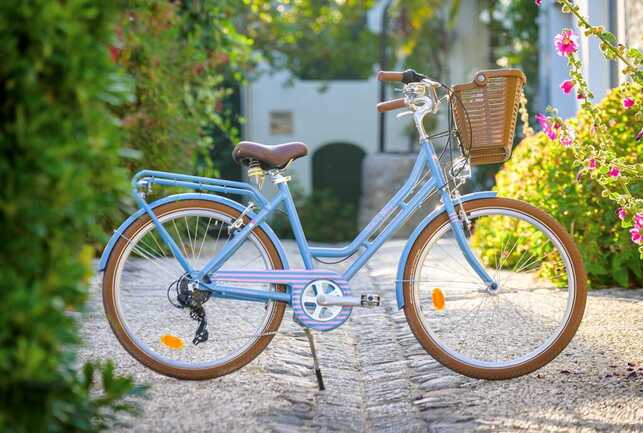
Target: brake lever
(403,113)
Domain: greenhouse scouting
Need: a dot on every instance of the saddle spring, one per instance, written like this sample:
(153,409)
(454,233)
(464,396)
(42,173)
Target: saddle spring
(256,173)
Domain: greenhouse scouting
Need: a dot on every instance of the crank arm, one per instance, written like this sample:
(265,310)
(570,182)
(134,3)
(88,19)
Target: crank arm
(364,300)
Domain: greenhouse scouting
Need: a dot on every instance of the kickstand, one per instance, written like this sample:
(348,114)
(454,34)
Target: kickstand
(311,342)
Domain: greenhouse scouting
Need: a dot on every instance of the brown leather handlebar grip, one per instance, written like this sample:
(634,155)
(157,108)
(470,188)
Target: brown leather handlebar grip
(390,76)
(393,104)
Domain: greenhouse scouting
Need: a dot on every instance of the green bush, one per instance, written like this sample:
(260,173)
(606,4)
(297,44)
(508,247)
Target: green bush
(323,217)
(327,219)
(59,148)
(542,173)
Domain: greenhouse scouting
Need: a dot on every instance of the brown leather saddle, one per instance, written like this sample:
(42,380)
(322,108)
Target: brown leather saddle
(269,157)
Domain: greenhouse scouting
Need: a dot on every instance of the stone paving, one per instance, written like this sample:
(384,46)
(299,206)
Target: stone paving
(379,379)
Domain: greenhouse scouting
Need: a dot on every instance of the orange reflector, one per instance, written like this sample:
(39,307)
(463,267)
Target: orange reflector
(172,342)
(438,299)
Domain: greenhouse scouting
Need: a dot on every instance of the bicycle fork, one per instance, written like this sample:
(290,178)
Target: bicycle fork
(454,221)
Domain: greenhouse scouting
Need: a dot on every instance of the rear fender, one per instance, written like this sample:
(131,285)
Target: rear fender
(188,196)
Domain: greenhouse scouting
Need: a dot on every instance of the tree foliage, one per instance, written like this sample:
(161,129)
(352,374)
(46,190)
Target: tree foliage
(313,39)
(514,30)
(421,34)
(185,60)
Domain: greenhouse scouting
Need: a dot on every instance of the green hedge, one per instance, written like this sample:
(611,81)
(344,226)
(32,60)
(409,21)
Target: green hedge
(323,216)
(542,173)
(59,148)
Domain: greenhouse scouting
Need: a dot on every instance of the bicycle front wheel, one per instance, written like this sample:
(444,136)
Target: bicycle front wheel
(509,331)
(153,310)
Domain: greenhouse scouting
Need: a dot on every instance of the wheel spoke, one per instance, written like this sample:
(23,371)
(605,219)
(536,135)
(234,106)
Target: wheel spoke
(480,326)
(149,279)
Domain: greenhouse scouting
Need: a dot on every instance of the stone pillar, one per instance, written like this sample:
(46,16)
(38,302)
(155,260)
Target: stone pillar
(382,176)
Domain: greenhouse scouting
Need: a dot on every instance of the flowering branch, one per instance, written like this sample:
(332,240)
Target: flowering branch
(632,58)
(595,156)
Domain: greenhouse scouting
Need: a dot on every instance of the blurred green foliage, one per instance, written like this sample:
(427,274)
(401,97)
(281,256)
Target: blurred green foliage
(185,60)
(59,173)
(543,173)
(323,217)
(420,35)
(313,39)
(326,219)
(515,36)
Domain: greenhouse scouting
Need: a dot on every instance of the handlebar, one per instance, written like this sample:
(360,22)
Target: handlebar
(415,85)
(406,77)
(391,105)
(390,76)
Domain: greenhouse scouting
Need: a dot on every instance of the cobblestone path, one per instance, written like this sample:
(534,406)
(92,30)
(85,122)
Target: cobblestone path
(379,379)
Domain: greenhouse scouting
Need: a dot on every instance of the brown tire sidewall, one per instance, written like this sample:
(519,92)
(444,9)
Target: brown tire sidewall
(109,296)
(413,312)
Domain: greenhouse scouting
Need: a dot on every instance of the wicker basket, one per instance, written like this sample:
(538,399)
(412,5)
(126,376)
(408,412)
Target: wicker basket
(486,112)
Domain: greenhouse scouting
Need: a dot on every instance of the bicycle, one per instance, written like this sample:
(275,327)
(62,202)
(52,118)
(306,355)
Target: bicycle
(487,306)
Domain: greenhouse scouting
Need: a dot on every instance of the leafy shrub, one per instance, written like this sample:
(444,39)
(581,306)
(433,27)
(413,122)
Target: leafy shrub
(158,122)
(326,219)
(58,172)
(184,59)
(543,173)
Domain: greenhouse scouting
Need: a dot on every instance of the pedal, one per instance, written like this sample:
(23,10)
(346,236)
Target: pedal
(370,300)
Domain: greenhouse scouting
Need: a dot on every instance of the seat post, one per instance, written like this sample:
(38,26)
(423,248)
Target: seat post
(281,182)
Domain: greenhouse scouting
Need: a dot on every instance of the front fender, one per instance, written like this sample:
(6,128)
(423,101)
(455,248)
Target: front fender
(188,196)
(425,222)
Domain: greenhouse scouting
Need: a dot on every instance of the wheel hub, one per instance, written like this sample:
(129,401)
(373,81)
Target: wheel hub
(493,288)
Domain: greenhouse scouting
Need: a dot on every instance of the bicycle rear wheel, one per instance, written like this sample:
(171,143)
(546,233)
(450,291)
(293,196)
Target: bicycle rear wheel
(143,280)
(503,333)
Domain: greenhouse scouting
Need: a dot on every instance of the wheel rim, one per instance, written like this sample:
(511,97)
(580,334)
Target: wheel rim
(144,272)
(519,322)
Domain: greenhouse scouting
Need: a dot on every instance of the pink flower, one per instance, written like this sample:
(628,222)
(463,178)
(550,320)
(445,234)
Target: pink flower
(545,124)
(637,232)
(614,171)
(539,2)
(621,213)
(591,164)
(567,86)
(628,102)
(568,138)
(638,220)
(566,43)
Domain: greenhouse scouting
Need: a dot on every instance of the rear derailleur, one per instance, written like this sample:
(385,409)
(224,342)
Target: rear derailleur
(193,299)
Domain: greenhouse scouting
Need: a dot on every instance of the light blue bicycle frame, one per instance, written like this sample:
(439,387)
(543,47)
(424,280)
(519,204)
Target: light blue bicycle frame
(405,202)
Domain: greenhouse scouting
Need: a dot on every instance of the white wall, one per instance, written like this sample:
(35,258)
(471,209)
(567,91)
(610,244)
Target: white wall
(344,111)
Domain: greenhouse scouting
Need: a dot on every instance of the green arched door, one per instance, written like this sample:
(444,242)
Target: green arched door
(337,167)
